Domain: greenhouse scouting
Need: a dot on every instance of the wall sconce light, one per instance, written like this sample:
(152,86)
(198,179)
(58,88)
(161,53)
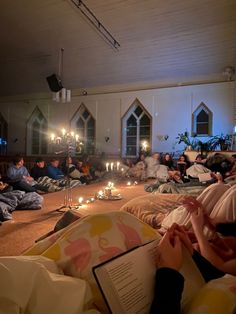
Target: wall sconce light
(107,138)
(162,138)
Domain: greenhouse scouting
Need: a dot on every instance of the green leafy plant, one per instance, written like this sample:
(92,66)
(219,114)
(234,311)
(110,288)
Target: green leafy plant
(220,141)
(187,140)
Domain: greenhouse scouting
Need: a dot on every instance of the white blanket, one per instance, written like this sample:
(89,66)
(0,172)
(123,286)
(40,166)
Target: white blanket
(35,285)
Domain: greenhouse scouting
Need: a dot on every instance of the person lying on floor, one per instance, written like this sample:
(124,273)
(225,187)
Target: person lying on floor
(167,298)
(15,200)
(217,200)
(20,179)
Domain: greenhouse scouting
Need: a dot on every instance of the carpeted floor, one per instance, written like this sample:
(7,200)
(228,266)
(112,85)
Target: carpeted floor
(20,233)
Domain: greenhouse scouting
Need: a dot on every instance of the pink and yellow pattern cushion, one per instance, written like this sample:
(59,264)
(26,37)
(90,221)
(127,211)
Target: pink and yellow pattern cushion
(92,240)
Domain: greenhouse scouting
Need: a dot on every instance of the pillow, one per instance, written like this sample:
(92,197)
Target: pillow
(153,208)
(216,297)
(90,241)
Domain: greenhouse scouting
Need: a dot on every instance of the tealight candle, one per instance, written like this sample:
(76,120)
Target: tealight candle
(129,183)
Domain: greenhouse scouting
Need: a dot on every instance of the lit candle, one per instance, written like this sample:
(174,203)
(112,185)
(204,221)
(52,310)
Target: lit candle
(52,137)
(100,193)
(118,165)
(122,169)
(145,145)
(63,131)
(112,164)
(135,182)
(92,199)
(107,166)
(72,134)
(81,200)
(77,137)
(129,183)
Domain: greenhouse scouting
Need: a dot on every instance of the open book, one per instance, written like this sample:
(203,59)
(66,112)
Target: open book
(127,281)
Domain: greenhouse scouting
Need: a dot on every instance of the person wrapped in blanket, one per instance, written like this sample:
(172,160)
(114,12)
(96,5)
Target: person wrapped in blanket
(20,179)
(69,169)
(56,174)
(138,170)
(167,298)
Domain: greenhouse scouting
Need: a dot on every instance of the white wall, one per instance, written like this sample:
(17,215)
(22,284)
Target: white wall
(171,110)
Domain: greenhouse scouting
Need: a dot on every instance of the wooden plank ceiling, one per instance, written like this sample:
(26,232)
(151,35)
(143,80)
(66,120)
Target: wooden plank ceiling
(162,42)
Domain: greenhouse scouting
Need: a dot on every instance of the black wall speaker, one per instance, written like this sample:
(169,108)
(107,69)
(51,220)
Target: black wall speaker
(54,83)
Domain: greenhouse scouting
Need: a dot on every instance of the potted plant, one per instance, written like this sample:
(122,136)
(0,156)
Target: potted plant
(221,141)
(191,144)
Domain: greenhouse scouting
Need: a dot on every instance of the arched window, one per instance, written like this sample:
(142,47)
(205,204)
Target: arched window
(84,124)
(202,121)
(3,136)
(37,128)
(136,125)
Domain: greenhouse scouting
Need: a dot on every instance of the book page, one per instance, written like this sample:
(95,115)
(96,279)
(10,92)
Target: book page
(128,280)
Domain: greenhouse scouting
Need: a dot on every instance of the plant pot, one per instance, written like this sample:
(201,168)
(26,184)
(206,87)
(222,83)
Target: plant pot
(224,146)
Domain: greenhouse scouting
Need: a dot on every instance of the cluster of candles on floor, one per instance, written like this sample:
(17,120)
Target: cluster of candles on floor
(106,193)
(113,166)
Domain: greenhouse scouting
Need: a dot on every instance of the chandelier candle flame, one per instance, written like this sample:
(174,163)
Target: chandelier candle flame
(66,143)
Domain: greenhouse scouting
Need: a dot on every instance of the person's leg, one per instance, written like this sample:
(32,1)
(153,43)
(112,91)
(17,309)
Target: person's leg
(211,195)
(225,209)
(23,186)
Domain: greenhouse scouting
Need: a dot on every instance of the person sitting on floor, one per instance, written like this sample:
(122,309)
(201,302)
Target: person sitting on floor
(138,170)
(153,163)
(70,170)
(182,165)
(20,178)
(4,187)
(168,161)
(197,168)
(53,170)
(39,173)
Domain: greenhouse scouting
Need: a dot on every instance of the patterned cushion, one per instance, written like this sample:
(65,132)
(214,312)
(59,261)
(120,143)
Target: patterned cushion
(153,208)
(92,240)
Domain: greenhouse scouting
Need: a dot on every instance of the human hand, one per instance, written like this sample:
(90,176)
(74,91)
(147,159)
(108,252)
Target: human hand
(170,252)
(191,204)
(181,232)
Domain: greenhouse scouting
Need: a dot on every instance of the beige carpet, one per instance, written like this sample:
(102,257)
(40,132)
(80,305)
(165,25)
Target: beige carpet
(20,233)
